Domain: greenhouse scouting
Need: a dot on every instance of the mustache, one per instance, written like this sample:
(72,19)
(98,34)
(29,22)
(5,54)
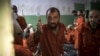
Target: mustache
(53,23)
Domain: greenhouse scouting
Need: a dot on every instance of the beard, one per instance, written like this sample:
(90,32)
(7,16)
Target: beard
(93,25)
(53,26)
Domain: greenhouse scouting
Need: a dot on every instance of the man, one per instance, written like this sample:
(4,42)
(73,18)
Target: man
(51,34)
(28,31)
(74,12)
(69,46)
(87,39)
(21,23)
(69,37)
(20,19)
(28,36)
(21,51)
(80,19)
(18,34)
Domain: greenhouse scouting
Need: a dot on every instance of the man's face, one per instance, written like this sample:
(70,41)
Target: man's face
(94,17)
(53,19)
(15,9)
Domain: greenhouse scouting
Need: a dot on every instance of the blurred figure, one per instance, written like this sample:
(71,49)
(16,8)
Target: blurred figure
(28,38)
(87,14)
(74,12)
(18,34)
(69,49)
(28,33)
(87,39)
(21,51)
(80,19)
(17,29)
(70,34)
(20,19)
(51,34)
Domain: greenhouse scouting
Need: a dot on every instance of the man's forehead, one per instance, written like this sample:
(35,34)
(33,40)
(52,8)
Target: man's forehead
(94,12)
(53,13)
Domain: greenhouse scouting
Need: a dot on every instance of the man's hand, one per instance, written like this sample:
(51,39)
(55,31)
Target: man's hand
(39,25)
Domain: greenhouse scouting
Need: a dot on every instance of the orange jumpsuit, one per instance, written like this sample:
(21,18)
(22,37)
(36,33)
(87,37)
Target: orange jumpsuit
(22,22)
(69,36)
(18,37)
(51,44)
(87,40)
(21,51)
(80,20)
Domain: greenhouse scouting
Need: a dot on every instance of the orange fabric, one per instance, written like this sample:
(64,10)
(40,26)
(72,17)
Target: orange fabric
(22,22)
(30,41)
(80,20)
(18,40)
(51,44)
(25,43)
(87,41)
(69,36)
(21,51)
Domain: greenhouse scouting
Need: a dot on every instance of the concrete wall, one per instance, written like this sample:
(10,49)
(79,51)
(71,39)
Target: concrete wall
(39,7)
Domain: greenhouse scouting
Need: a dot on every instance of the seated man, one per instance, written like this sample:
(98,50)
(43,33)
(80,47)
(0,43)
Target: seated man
(69,49)
(28,36)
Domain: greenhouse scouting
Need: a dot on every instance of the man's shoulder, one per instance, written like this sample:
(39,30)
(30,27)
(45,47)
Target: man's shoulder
(45,26)
(62,25)
(20,17)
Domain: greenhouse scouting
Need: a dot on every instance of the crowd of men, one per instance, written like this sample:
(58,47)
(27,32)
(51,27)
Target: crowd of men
(82,38)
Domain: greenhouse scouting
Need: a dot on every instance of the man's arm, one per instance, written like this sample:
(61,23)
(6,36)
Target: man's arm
(37,36)
(39,31)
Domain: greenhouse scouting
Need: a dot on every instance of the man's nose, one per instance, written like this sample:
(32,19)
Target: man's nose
(52,21)
(92,19)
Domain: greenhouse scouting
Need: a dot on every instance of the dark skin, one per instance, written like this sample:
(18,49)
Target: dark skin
(52,19)
(94,17)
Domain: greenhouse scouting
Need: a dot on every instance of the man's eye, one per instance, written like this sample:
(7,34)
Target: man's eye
(49,17)
(55,17)
(96,16)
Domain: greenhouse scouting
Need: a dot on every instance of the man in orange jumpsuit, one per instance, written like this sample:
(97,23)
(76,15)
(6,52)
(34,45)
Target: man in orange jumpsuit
(69,49)
(20,19)
(22,24)
(52,34)
(18,35)
(70,34)
(87,39)
(80,18)
(21,51)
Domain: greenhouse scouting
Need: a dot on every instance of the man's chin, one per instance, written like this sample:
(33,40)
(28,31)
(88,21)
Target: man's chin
(53,27)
